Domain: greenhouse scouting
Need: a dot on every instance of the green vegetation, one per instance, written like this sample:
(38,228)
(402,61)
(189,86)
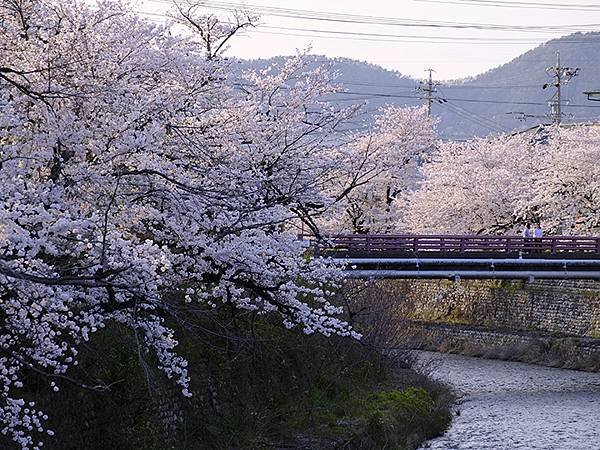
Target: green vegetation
(590,294)
(400,419)
(595,333)
(510,286)
(367,418)
(255,386)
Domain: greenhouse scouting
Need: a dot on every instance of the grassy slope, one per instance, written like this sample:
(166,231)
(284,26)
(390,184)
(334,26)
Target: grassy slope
(255,386)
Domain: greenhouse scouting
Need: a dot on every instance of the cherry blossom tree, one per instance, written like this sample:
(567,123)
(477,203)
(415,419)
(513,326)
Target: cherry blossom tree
(480,186)
(566,188)
(140,175)
(497,185)
(386,163)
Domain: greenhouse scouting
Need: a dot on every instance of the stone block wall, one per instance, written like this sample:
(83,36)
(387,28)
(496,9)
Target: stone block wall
(568,308)
(530,347)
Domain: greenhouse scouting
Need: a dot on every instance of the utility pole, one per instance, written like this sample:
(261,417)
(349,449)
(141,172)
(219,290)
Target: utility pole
(560,75)
(428,87)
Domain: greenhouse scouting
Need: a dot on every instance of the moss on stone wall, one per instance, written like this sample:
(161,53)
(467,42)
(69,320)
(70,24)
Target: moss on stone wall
(554,307)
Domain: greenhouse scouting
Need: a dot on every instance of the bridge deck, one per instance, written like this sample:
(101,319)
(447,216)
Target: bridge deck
(431,254)
(389,243)
(512,257)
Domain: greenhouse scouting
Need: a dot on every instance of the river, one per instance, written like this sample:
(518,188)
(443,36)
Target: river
(508,405)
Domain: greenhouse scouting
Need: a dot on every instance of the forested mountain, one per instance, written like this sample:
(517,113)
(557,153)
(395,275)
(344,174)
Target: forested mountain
(482,104)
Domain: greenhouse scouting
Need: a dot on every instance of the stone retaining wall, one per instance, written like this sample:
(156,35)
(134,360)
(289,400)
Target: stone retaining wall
(574,353)
(569,308)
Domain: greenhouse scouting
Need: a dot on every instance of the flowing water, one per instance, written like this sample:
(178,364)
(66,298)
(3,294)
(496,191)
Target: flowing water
(509,405)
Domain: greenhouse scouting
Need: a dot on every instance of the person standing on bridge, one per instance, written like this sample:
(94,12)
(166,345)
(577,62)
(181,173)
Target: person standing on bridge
(537,236)
(527,235)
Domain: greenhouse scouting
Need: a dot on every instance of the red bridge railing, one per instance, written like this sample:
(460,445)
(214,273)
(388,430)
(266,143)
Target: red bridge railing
(403,243)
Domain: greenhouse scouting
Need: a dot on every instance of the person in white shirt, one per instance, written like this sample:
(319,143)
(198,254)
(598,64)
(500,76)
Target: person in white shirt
(537,236)
(527,235)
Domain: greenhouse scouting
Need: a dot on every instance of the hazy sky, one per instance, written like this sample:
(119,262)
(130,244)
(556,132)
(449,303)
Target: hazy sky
(474,51)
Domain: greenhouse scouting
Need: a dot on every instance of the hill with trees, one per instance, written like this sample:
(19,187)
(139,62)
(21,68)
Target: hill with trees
(480,105)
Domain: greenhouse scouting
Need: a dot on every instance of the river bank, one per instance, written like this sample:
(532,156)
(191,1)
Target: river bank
(255,386)
(549,323)
(567,352)
(510,405)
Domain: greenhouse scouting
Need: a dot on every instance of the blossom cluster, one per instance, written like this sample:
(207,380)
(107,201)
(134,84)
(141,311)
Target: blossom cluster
(548,176)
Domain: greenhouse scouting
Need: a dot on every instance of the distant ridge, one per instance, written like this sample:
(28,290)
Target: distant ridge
(479,105)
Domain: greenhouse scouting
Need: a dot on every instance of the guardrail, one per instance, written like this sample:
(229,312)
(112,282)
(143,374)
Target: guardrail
(404,243)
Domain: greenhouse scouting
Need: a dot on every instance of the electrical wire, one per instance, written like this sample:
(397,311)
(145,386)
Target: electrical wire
(476,116)
(426,40)
(387,37)
(404,36)
(519,4)
(471,100)
(383,20)
(446,86)
(368,95)
(470,119)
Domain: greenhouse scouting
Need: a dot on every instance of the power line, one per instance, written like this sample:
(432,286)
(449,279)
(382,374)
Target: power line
(387,37)
(455,109)
(519,4)
(470,115)
(406,41)
(359,83)
(384,37)
(517,86)
(447,86)
(474,118)
(503,102)
(480,117)
(430,89)
(404,36)
(380,37)
(383,20)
